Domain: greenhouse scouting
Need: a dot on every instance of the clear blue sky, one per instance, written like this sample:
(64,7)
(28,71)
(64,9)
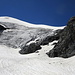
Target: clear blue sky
(50,12)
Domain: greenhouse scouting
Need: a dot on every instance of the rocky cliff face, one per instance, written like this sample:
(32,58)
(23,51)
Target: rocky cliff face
(66,44)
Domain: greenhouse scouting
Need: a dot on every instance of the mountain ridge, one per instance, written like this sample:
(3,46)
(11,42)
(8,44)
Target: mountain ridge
(19,22)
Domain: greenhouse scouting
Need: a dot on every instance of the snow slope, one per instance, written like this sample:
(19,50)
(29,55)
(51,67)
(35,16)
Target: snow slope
(19,22)
(13,63)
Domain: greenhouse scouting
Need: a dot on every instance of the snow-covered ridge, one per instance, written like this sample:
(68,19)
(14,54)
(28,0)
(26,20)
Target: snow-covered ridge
(19,22)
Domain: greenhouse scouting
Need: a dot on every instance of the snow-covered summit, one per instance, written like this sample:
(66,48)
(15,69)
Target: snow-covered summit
(19,22)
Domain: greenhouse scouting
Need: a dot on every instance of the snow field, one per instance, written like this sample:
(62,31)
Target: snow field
(12,63)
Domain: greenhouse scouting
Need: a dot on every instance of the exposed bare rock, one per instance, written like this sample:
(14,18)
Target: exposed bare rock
(66,44)
(30,48)
(2,27)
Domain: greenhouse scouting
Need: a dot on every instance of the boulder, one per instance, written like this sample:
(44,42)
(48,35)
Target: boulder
(30,48)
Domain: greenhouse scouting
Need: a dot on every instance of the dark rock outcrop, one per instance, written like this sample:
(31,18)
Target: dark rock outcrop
(2,27)
(66,44)
(49,39)
(30,48)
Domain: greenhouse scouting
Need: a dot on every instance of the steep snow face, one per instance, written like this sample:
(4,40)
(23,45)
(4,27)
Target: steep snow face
(19,22)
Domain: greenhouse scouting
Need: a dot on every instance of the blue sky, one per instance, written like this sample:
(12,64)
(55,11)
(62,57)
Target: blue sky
(49,12)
